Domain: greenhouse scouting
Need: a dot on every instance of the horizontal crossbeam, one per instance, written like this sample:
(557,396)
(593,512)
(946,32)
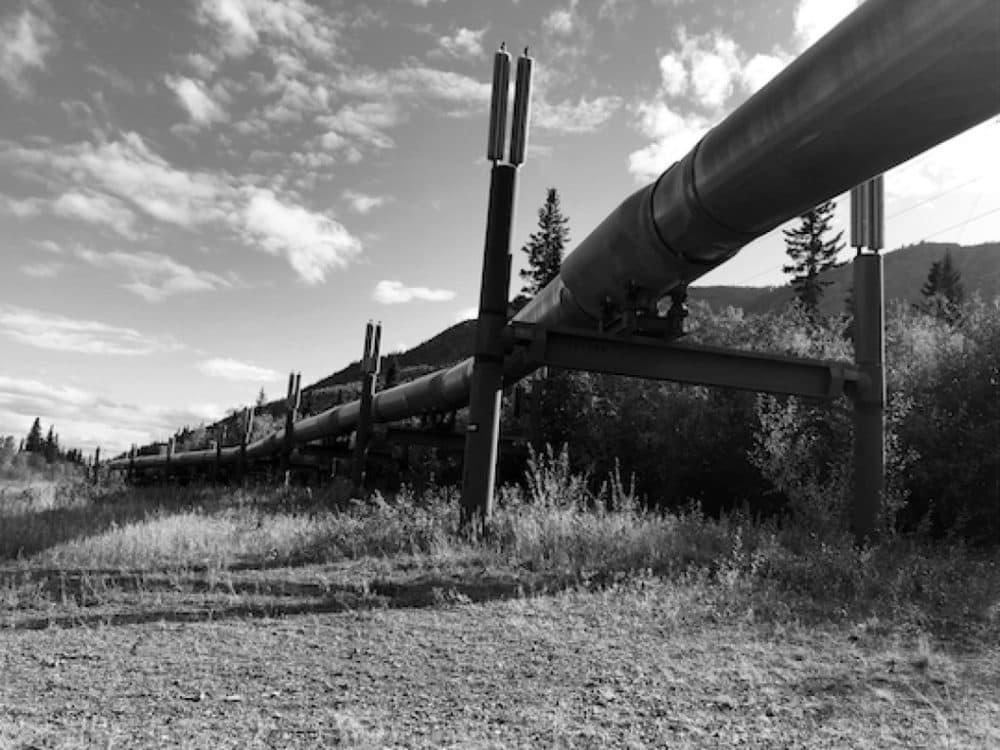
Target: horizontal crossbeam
(641,357)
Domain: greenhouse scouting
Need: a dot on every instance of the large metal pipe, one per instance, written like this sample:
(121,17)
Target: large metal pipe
(892,80)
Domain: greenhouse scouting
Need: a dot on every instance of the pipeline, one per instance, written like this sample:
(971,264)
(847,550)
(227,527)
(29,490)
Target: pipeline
(892,80)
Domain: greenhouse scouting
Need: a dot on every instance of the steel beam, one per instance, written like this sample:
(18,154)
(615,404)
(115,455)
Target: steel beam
(640,357)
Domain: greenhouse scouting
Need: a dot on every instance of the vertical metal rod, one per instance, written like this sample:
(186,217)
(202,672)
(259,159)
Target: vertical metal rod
(522,110)
(498,105)
(482,433)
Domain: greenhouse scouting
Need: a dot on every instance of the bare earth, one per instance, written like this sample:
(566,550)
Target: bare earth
(644,664)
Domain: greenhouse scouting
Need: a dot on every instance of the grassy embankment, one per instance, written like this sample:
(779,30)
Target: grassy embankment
(912,627)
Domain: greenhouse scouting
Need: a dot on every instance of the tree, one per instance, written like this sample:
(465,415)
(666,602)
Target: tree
(943,291)
(391,371)
(34,442)
(812,254)
(261,399)
(545,247)
(51,447)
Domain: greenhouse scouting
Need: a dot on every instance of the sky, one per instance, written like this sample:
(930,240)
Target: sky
(198,196)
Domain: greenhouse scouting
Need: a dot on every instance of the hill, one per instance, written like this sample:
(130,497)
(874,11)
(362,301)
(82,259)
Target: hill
(905,272)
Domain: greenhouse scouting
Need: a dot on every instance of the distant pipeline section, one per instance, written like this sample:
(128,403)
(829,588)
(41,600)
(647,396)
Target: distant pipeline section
(892,80)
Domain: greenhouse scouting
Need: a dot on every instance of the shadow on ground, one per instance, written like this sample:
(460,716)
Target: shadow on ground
(106,598)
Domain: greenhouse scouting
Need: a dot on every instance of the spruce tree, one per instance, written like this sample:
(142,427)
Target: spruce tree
(812,254)
(51,447)
(34,442)
(545,247)
(943,291)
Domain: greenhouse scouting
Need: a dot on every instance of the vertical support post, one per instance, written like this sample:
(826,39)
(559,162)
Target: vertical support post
(244,439)
(869,354)
(217,466)
(130,474)
(97,465)
(170,456)
(370,362)
(483,430)
(292,401)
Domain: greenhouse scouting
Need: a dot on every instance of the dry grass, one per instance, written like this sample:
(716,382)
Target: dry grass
(196,618)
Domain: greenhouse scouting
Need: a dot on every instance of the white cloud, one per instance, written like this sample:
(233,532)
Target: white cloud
(673,75)
(674,135)
(714,71)
(129,172)
(241,24)
(760,70)
(193,96)
(154,276)
(23,208)
(582,116)
(363,203)
(813,18)
(464,43)
(26,39)
(232,369)
(312,242)
(559,22)
(59,333)
(396,292)
(96,208)
(711,70)
(365,122)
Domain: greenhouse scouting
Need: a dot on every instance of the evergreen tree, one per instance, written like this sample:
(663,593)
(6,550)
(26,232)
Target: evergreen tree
(51,447)
(261,399)
(943,291)
(545,247)
(34,442)
(812,254)
(391,371)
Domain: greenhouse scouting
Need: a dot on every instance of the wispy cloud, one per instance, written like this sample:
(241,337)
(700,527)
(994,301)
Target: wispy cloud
(85,419)
(232,369)
(581,116)
(312,242)
(59,333)
(192,95)
(96,208)
(464,43)
(127,172)
(43,270)
(363,203)
(154,276)
(26,40)
(396,292)
(242,25)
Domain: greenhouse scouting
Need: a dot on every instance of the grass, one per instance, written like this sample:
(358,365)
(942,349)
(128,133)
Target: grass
(581,621)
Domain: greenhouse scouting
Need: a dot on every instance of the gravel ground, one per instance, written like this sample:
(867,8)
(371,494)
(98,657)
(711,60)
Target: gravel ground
(647,665)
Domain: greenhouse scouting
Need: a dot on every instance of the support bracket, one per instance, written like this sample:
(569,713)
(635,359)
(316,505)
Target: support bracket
(643,357)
